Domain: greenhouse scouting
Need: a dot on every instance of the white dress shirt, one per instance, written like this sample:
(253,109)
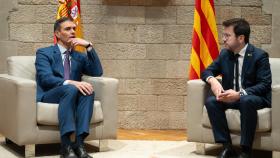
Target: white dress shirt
(240,65)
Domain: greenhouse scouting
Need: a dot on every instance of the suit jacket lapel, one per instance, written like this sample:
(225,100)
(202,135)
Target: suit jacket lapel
(247,61)
(58,61)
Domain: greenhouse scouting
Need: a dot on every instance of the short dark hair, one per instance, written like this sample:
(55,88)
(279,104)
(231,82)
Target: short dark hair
(240,27)
(58,22)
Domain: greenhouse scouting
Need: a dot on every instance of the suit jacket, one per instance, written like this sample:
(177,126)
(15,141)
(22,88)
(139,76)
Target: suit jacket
(256,73)
(50,70)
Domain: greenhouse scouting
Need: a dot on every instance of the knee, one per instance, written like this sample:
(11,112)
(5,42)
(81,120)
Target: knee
(91,96)
(88,97)
(71,90)
(247,103)
(210,102)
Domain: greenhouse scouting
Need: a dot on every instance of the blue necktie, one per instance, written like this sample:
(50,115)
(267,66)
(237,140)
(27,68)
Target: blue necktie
(67,65)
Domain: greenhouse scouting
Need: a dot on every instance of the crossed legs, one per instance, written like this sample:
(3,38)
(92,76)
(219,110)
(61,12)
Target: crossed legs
(74,113)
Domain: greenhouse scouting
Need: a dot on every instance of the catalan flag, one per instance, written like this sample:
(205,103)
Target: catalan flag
(205,44)
(71,8)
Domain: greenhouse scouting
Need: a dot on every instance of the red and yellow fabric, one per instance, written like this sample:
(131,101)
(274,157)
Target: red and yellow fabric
(71,8)
(205,44)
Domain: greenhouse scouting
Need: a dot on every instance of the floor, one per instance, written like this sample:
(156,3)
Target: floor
(129,144)
(168,135)
(132,144)
(180,136)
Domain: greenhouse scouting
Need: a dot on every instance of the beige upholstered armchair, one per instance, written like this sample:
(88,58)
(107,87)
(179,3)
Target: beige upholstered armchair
(25,122)
(268,128)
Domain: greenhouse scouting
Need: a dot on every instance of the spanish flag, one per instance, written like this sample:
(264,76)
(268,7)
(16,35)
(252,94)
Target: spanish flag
(71,8)
(205,44)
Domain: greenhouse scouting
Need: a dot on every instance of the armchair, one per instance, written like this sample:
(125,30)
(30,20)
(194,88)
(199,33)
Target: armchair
(267,135)
(25,122)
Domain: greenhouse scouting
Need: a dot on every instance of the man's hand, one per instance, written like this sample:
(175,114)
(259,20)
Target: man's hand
(216,87)
(229,96)
(84,87)
(78,42)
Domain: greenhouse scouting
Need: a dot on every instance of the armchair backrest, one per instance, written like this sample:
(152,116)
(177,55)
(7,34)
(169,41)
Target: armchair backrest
(275,70)
(21,66)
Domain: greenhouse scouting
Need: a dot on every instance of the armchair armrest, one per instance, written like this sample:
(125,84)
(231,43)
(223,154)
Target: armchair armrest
(275,112)
(18,108)
(197,91)
(106,91)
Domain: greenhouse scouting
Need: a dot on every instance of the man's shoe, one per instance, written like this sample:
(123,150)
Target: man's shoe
(244,155)
(67,152)
(227,153)
(81,152)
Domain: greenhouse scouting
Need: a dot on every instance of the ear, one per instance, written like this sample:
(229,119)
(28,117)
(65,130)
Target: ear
(57,34)
(241,38)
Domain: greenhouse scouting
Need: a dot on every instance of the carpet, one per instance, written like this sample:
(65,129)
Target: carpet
(122,149)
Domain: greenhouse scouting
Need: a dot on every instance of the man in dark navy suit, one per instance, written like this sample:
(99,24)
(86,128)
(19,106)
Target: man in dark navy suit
(246,86)
(59,69)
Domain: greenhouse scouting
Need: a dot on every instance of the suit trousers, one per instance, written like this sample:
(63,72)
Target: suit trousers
(247,105)
(74,111)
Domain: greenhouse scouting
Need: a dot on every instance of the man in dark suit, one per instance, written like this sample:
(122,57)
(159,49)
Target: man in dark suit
(246,86)
(59,69)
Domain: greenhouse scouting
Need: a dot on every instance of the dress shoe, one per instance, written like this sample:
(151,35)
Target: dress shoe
(81,152)
(227,153)
(244,155)
(67,152)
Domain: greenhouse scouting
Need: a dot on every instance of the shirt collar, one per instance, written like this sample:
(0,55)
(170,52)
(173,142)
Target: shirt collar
(243,50)
(62,49)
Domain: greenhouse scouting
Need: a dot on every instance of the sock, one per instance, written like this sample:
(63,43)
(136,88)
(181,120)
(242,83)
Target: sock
(80,139)
(65,139)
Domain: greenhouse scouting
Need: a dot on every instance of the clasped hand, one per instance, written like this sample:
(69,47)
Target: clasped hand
(84,87)
(227,96)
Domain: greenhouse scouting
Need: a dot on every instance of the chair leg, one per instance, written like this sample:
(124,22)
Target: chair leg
(275,154)
(30,150)
(200,148)
(103,145)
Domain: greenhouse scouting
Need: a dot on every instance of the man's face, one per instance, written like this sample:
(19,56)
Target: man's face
(66,32)
(231,41)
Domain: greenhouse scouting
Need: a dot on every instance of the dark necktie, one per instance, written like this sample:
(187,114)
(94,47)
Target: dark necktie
(236,72)
(67,65)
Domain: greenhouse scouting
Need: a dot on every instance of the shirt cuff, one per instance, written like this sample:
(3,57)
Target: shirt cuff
(89,48)
(208,78)
(65,82)
(244,92)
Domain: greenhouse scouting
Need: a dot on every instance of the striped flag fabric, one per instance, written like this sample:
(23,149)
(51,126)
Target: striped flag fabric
(71,8)
(205,44)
